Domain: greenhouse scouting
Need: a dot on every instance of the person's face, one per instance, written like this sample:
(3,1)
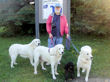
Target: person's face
(57,10)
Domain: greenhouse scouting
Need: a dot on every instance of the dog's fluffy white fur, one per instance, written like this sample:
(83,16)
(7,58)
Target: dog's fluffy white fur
(84,61)
(52,56)
(25,51)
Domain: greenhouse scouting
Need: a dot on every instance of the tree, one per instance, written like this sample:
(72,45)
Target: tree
(91,16)
(17,17)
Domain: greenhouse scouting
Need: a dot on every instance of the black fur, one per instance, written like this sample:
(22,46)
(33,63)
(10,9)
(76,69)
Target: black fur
(69,71)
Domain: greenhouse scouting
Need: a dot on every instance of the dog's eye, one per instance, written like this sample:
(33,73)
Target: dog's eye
(59,48)
(87,54)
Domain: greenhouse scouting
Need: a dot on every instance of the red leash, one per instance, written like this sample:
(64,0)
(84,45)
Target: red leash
(51,43)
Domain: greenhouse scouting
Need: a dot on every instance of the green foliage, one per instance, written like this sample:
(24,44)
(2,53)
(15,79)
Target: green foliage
(26,14)
(17,17)
(87,16)
(91,16)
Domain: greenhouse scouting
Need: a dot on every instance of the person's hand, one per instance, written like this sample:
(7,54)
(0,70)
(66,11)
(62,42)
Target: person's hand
(67,36)
(50,35)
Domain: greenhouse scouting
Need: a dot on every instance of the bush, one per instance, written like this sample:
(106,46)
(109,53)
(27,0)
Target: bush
(90,16)
(18,18)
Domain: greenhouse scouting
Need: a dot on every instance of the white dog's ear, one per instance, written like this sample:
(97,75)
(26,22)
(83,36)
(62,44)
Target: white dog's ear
(81,52)
(56,49)
(33,44)
(52,52)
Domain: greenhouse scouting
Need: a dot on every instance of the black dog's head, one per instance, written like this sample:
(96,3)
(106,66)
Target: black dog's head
(69,71)
(69,67)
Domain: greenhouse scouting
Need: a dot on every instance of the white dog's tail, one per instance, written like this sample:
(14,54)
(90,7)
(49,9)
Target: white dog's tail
(36,58)
(13,55)
(36,61)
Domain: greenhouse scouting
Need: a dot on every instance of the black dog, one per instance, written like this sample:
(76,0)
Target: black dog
(69,71)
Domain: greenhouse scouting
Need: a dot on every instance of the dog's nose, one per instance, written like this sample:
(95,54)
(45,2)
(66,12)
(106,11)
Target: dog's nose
(91,57)
(62,52)
(38,43)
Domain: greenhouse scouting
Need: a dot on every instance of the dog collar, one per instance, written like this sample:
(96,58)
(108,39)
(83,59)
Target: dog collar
(49,50)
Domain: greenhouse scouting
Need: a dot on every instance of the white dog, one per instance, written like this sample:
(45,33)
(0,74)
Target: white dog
(84,61)
(52,56)
(25,51)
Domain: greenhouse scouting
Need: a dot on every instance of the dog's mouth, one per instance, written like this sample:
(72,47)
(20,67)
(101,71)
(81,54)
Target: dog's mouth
(91,58)
(38,44)
(61,53)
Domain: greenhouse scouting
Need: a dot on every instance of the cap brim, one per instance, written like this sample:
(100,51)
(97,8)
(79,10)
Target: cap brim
(57,6)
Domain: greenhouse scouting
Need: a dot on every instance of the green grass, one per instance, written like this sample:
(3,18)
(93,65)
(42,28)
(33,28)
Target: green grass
(23,72)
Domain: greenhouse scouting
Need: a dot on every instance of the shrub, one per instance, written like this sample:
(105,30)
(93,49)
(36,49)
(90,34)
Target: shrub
(90,16)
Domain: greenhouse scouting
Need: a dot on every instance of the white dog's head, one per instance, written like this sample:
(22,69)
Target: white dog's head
(35,42)
(86,52)
(57,50)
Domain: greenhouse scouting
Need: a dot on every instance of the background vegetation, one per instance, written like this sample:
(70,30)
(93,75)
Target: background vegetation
(91,16)
(87,16)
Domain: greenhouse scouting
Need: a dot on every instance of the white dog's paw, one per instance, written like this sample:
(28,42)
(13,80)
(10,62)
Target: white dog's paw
(15,63)
(35,73)
(83,70)
(32,64)
(12,67)
(86,79)
(47,63)
(44,69)
(59,63)
(56,73)
(78,75)
(54,78)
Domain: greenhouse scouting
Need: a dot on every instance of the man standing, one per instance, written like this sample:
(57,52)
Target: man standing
(56,26)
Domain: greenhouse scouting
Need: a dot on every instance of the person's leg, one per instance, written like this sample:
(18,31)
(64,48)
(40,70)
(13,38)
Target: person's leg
(54,41)
(51,42)
(59,40)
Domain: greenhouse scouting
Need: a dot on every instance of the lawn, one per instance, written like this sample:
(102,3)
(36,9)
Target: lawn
(23,72)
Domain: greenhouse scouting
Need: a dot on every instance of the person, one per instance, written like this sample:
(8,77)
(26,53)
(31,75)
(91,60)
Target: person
(56,26)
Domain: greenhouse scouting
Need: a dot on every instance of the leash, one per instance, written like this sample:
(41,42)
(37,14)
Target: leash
(73,45)
(51,43)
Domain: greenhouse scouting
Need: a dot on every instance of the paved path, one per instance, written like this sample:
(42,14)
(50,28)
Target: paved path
(91,80)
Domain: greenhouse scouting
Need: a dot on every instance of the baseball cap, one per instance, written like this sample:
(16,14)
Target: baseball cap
(57,5)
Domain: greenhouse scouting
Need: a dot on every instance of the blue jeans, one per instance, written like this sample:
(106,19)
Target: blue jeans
(54,41)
